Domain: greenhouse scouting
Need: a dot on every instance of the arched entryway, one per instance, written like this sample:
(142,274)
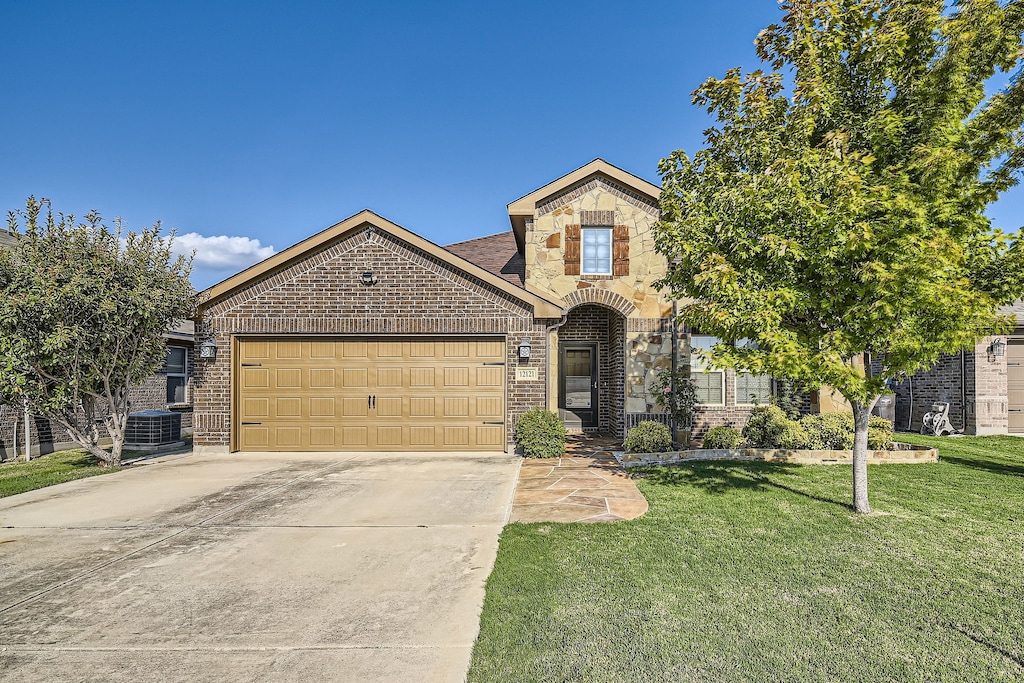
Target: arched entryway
(591,369)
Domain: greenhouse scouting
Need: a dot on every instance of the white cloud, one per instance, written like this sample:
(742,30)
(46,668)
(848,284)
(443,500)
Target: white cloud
(221,252)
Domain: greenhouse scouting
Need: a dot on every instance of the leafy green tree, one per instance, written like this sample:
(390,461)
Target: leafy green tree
(837,208)
(83,310)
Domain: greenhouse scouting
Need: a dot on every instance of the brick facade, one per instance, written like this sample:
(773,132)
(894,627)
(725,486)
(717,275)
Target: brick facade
(48,437)
(972,382)
(415,293)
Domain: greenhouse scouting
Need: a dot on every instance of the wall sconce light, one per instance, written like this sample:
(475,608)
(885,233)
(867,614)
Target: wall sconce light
(208,349)
(997,349)
(524,348)
(368,278)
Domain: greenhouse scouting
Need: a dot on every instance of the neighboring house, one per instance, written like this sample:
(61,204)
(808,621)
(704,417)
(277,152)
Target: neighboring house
(168,389)
(983,387)
(367,336)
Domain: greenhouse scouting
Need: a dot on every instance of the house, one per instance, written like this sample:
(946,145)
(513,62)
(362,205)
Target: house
(367,336)
(168,389)
(984,386)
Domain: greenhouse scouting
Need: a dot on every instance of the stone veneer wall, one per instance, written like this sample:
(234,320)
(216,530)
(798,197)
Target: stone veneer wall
(597,201)
(416,294)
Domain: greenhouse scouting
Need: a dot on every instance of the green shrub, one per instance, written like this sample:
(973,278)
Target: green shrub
(648,437)
(722,437)
(829,431)
(764,427)
(879,433)
(792,436)
(540,433)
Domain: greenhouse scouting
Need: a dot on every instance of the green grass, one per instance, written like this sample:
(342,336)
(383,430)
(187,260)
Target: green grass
(761,572)
(56,468)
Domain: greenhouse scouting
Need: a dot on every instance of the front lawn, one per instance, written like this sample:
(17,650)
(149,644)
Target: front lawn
(761,572)
(47,470)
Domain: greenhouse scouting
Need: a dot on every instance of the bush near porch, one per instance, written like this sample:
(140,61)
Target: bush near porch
(760,571)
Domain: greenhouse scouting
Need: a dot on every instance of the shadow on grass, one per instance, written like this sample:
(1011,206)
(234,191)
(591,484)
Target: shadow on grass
(987,465)
(720,477)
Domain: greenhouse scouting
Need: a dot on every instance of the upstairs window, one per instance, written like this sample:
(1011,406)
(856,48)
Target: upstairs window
(176,367)
(597,251)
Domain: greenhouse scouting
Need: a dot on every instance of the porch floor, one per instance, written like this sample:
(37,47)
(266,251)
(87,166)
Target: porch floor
(584,485)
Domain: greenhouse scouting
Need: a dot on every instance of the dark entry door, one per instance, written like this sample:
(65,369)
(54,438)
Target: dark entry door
(578,383)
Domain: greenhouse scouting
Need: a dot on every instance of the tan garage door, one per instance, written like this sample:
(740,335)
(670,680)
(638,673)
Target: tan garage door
(1015,384)
(370,394)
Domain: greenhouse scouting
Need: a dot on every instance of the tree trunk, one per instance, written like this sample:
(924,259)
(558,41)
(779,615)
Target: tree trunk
(861,413)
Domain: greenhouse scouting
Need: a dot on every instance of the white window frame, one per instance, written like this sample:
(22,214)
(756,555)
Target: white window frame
(183,375)
(594,230)
(706,373)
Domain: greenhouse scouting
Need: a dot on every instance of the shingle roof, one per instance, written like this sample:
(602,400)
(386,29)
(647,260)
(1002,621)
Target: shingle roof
(6,239)
(1015,309)
(496,254)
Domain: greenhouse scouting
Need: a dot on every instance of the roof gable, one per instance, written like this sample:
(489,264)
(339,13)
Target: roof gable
(543,308)
(526,206)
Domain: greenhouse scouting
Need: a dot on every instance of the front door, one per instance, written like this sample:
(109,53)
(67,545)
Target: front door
(578,384)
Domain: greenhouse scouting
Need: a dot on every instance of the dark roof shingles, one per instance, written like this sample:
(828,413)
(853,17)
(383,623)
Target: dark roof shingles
(496,254)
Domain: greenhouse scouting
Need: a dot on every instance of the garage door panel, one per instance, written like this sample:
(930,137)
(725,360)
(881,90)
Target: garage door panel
(287,407)
(288,378)
(322,437)
(389,377)
(321,378)
(322,406)
(370,394)
(1015,384)
(390,406)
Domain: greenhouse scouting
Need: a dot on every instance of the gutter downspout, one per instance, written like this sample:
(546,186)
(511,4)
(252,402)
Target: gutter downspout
(963,387)
(547,356)
(675,363)
(28,435)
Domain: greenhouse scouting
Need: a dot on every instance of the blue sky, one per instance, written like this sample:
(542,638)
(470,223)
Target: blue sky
(269,121)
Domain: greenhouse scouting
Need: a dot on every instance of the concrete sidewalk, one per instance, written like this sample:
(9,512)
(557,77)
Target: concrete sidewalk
(256,567)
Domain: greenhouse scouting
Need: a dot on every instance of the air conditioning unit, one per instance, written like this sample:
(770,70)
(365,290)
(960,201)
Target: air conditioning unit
(151,428)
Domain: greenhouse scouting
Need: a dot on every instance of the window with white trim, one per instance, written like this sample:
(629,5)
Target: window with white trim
(597,251)
(710,387)
(176,367)
(708,381)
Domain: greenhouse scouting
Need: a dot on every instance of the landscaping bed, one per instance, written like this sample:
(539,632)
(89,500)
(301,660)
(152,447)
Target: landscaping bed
(901,453)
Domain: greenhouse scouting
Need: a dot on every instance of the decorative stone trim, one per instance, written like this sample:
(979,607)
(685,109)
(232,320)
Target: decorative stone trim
(636,199)
(907,455)
(597,219)
(662,325)
(603,297)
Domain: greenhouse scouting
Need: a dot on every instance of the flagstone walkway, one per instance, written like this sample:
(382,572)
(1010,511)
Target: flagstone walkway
(587,484)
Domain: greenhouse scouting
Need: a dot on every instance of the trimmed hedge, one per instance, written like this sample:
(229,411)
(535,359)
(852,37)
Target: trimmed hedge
(541,434)
(648,437)
(722,437)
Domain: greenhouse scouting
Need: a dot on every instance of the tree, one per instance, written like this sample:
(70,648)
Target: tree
(837,208)
(83,310)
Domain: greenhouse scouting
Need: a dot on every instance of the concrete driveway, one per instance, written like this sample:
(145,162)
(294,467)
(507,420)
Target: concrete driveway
(253,567)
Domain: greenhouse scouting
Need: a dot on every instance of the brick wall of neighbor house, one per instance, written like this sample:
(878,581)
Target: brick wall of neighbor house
(979,379)
(415,294)
(48,437)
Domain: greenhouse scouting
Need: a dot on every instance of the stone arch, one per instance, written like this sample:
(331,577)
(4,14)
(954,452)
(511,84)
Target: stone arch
(602,297)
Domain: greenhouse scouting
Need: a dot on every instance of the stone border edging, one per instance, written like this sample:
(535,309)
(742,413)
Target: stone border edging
(903,454)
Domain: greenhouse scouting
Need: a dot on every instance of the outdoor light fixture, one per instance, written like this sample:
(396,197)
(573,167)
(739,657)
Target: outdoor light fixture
(208,349)
(368,278)
(997,349)
(524,347)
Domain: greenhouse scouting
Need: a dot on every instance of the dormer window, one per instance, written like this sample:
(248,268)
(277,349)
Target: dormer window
(597,251)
